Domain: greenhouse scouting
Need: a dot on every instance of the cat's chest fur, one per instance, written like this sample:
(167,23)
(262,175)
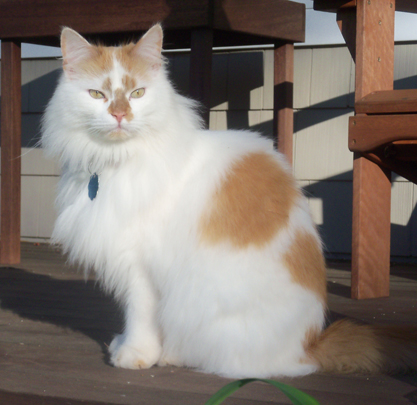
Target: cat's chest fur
(144,210)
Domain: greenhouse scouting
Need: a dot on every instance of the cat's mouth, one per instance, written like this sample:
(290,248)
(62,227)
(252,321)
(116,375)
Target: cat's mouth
(118,134)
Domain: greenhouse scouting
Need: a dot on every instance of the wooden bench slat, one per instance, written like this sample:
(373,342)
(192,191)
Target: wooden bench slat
(388,102)
(368,132)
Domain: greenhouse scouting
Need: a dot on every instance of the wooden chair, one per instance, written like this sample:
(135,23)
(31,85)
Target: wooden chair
(382,135)
(195,24)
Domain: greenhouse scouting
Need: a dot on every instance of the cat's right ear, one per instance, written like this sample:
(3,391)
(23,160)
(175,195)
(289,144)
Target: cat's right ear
(75,49)
(150,47)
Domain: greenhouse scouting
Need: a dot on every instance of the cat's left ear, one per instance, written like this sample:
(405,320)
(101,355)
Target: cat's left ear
(150,47)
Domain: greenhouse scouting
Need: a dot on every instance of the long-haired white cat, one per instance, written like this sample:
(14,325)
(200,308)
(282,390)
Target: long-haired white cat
(202,236)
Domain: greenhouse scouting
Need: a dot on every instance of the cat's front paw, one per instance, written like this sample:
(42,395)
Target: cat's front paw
(125,355)
(167,360)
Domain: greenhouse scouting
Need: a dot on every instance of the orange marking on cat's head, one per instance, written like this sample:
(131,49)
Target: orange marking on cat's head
(304,259)
(107,86)
(120,105)
(132,63)
(251,205)
(101,62)
(128,83)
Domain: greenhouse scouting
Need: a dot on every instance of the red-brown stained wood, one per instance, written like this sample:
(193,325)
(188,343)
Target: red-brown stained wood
(283,99)
(404,150)
(367,132)
(276,19)
(346,20)
(371,229)
(270,18)
(388,102)
(371,183)
(409,6)
(10,152)
(28,18)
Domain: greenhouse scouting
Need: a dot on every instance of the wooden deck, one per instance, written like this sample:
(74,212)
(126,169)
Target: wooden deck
(54,328)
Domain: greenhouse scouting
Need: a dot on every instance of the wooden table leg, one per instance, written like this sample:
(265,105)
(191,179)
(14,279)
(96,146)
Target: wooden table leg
(10,151)
(371,229)
(371,183)
(283,98)
(200,69)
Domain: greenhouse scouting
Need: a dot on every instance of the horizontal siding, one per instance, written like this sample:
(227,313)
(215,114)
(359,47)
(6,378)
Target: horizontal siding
(302,77)
(320,144)
(331,205)
(405,66)
(403,205)
(330,77)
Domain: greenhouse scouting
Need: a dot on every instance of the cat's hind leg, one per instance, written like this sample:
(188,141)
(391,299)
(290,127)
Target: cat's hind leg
(139,346)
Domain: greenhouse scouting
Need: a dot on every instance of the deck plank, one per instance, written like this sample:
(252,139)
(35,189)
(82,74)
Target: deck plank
(54,328)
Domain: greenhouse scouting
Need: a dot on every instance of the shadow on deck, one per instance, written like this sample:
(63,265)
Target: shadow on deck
(55,326)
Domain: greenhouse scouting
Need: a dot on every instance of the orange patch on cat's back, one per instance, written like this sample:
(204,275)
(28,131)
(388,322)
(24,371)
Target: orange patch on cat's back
(252,203)
(305,262)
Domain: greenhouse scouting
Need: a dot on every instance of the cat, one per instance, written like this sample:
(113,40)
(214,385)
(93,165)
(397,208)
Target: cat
(202,236)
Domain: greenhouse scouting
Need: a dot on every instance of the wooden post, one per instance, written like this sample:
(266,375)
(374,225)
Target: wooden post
(200,69)
(10,151)
(371,183)
(346,20)
(283,98)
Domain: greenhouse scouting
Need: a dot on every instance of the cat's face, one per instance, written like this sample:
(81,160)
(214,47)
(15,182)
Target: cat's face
(114,90)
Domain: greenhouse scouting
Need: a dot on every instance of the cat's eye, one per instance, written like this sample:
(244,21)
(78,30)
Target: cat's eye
(96,94)
(138,93)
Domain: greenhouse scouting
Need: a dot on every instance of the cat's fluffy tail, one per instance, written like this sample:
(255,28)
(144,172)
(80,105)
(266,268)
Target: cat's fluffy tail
(347,347)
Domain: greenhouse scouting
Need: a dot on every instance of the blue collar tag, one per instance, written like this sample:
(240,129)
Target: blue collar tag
(93,186)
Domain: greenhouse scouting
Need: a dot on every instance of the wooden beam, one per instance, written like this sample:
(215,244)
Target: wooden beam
(371,182)
(346,20)
(276,19)
(10,152)
(388,102)
(368,132)
(200,69)
(44,18)
(283,99)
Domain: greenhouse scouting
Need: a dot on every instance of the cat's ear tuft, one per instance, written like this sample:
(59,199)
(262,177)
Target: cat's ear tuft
(150,46)
(74,50)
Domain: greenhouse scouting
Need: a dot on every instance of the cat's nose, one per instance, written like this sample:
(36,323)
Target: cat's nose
(119,116)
